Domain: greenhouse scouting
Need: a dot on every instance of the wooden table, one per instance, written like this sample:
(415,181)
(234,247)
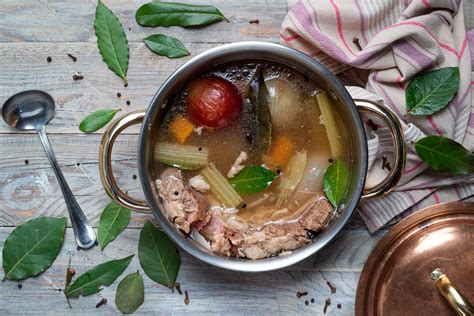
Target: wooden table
(31,31)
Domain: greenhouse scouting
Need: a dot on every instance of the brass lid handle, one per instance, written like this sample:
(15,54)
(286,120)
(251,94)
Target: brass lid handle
(451,293)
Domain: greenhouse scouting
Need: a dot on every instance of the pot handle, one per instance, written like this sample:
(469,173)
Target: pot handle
(105,162)
(393,124)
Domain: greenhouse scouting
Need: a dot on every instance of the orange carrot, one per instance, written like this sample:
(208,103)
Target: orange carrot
(181,128)
(282,149)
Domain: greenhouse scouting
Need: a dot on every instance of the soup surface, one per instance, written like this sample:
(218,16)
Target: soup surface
(240,156)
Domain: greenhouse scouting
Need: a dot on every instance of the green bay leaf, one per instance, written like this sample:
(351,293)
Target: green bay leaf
(158,256)
(444,154)
(130,293)
(96,120)
(252,179)
(177,14)
(432,91)
(336,179)
(111,40)
(103,274)
(113,220)
(166,46)
(32,247)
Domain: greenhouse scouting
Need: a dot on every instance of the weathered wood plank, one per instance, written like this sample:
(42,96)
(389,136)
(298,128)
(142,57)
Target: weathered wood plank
(211,290)
(98,89)
(68,21)
(30,190)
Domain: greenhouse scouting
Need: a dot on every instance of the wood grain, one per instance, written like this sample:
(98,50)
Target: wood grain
(32,30)
(30,190)
(211,290)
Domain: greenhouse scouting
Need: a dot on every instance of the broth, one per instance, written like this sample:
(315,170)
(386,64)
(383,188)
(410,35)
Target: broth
(297,128)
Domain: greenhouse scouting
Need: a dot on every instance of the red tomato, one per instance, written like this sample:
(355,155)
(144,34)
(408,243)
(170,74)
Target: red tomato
(213,102)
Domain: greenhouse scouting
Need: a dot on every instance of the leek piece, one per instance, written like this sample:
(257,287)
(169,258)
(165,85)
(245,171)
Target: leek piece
(220,187)
(291,176)
(330,123)
(185,157)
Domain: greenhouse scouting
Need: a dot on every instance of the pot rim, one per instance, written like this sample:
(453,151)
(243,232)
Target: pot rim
(271,263)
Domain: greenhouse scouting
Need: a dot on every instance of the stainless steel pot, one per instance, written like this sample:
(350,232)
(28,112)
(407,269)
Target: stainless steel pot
(252,51)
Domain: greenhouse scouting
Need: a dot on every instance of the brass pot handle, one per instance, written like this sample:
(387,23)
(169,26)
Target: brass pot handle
(398,143)
(451,293)
(105,161)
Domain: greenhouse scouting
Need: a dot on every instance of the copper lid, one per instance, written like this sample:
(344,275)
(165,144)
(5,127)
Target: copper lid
(396,277)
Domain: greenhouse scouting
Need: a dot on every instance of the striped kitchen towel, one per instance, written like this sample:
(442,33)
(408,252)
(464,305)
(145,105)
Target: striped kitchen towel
(378,46)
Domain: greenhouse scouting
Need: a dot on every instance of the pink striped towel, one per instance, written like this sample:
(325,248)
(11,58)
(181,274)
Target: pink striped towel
(377,46)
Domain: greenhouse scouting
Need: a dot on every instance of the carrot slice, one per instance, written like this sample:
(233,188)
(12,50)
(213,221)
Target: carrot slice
(181,128)
(282,149)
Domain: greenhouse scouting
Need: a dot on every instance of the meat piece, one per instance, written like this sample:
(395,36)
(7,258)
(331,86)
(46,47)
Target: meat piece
(184,206)
(216,232)
(198,183)
(238,164)
(272,239)
(231,235)
(316,214)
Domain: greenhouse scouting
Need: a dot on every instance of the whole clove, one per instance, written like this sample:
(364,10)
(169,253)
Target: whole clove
(386,163)
(177,286)
(74,58)
(326,305)
(255,21)
(70,273)
(77,77)
(301,294)
(356,42)
(186,298)
(103,301)
(372,125)
(333,289)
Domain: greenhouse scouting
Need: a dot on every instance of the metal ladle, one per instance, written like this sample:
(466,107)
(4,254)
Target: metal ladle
(32,110)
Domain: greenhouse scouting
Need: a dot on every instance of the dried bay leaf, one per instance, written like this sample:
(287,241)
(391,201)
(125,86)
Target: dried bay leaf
(32,247)
(130,293)
(111,40)
(158,256)
(113,220)
(91,281)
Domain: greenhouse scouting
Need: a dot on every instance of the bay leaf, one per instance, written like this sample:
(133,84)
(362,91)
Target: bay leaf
(32,247)
(91,281)
(130,293)
(257,120)
(166,46)
(113,220)
(252,179)
(177,14)
(96,120)
(432,91)
(158,256)
(336,179)
(444,154)
(111,40)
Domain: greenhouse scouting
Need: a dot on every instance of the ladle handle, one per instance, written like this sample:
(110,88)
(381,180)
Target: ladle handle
(85,236)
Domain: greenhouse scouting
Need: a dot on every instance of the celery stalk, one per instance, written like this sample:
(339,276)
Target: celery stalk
(220,187)
(329,120)
(185,157)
